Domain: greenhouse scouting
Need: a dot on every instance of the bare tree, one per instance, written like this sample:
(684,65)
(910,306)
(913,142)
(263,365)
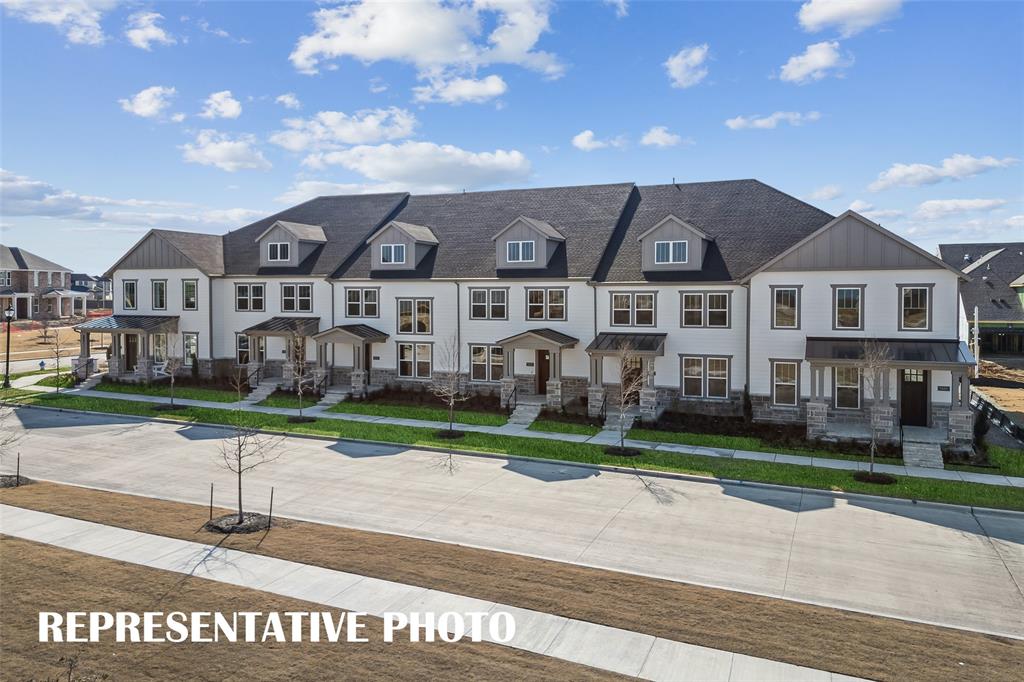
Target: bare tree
(174,361)
(631,381)
(52,341)
(246,448)
(298,353)
(446,383)
(876,358)
(8,436)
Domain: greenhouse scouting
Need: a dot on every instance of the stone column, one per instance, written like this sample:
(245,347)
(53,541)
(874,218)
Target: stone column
(84,357)
(883,421)
(554,384)
(595,389)
(358,381)
(817,419)
(114,363)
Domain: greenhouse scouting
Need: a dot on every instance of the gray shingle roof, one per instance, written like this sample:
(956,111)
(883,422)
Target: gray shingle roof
(989,288)
(464,224)
(205,250)
(14,258)
(749,221)
(310,233)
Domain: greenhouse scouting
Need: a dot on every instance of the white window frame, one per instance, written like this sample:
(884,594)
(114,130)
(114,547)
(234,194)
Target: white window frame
(699,377)
(708,378)
(860,308)
(5,278)
(775,364)
(279,252)
(709,309)
(856,385)
(519,251)
(392,251)
(249,297)
(184,294)
(548,304)
(488,364)
(672,260)
(415,349)
(699,309)
(633,308)
(414,328)
(488,303)
(135,294)
(153,285)
(361,303)
(796,307)
(927,308)
(296,297)
(185,357)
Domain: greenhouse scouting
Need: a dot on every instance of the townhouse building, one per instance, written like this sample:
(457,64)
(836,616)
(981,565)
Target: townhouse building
(33,287)
(723,296)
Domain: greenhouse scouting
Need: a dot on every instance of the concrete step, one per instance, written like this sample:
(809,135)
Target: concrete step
(262,391)
(525,414)
(91,382)
(611,422)
(332,397)
(928,455)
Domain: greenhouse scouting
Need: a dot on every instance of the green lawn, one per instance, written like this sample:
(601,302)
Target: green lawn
(955,492)
(66,381)
(288,399)
(1006,461)
(437,414)
(555,426)
(18,375)
(163,390)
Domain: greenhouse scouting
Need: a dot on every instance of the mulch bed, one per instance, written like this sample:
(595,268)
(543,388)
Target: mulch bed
(874,477)
(228,523)
(449,434)
(13,481)
(621,452)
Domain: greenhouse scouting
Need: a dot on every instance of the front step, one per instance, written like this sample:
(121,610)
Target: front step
(611,422)
(332,397)
(262,391)
(926,455)
(525,414)
(91,382)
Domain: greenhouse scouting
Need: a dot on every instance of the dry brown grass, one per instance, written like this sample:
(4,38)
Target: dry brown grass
(43,578)
(817,637)
(27,344)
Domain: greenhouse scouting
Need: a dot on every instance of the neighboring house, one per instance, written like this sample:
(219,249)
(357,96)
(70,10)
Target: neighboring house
(97,288)
(995,292)
(718,291)
(35,287)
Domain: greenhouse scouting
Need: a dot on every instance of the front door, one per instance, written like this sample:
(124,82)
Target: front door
(543,371)
(914,397)
(22,311)
(131,352)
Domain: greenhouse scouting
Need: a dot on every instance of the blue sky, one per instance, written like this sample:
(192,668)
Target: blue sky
(121,116)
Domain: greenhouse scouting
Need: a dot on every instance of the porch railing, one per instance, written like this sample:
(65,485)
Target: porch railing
(321,386)
(603,412)
(512,399)
(256,374)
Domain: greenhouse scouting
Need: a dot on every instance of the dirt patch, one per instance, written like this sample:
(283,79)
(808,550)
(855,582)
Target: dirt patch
(27,342)
(228,523)
(817,637)
(42,578)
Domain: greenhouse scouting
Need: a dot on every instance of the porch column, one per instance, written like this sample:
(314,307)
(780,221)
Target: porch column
(144,366)
(554,385)
(961,418)
(359,378)
(649,409)
(288,369)
(595,389)
(883,414)
(114,364)
(817,407)
(508,378)
(84,358)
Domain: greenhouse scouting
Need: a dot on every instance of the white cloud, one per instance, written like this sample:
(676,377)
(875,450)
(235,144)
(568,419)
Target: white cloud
(770,122)
(178,117)
(142,31)
(869,211)
(848,16)
(955,167)
(940,208)
(221,105)
(460,90)
(79,21)
(205,27)
(659,136)
(149,103)
(686,67)
(377,85)
(815,63)
(1014,221)
(432,36)
(621,7)
(212,148)
(330,129)
(588,142)
(827,192)
(289,101)
(426,166)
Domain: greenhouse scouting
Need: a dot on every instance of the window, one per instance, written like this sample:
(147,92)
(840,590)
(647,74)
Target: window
(129,288)
(414,360)
(362,303)
(545,304)
(414,315)
(847,388)
(392,254)
(632,309)
(705,377)
(35,306)
(278,251)
(159,347)
(249,297)
(250,349)
(486,363)
(914,308)
(242,349)
(785,308)
(848,308)
(296,298)
(189,347)
(718,310)
(670,252)
(693,310)
(784,385)
(488,304)
(5,278)
(519,252)
(159,294)
(693,377)
(189,294)
(718,378)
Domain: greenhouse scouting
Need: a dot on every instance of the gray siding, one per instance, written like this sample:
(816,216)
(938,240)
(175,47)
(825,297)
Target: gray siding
(393,235)
(672,230)
(279,234)
(852,245)
(543,247)
(154,253)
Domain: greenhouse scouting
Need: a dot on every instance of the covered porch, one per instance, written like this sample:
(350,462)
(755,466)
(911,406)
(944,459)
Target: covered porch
(637,351)
(138,345)
(19,302)
(62,302)
(360,337)
(294,333)
(546,346)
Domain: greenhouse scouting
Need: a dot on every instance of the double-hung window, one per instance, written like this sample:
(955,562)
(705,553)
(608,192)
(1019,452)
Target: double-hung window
(250,349)
(488,304)
(784,383)
(278,252)
(5,278)
(914,308)
(362,303)
(487,363)
(847,391)
(848,308)
(414,360)
(718,310)
(519,252)
(693,377)
(159,294)
(189,294)
(189,347)
(296,298)
(129,288)
(414,315)
(670,252)
(249,297)
(705,377)
(632,309)
(785,308)
(392,254)
(545,304)
(693,310)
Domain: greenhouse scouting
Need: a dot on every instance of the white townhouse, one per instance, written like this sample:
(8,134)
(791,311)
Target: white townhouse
(721,293)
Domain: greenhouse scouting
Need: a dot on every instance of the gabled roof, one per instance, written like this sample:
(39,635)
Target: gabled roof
(301,231)
(204,251)
(356,332)
(991,288)
(14,258)
(555,338)
(418,233)
(981,261)
(284,326)
(670,217)
(539,225)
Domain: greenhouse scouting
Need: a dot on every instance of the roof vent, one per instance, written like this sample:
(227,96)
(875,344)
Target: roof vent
(967,258)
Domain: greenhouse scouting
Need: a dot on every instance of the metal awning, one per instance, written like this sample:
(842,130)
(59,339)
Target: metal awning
(612,343)
(56,293)
(351,333)
(131,324)
(903,352)
(542,338)
(285,326)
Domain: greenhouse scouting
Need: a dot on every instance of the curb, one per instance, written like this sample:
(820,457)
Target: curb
(611,468)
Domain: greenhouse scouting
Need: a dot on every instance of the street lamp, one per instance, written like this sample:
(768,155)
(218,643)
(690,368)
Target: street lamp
(9,316)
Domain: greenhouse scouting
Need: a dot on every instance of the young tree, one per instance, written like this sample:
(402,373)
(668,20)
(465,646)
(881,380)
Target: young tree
(446,383)
(298,353)
(631,382)
(876,358)
(8,436)
(51,338)
(174,361)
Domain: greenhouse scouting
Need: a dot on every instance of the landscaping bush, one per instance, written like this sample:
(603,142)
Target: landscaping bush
(981,427)
(572,413)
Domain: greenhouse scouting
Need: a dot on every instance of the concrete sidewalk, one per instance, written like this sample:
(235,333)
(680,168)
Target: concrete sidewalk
(598,646)
(603,438)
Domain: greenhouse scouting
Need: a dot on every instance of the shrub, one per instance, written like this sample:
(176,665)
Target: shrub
(195,368)
(981,427)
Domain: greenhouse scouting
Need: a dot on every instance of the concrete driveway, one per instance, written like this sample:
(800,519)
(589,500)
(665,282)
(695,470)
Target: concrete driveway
(944,566)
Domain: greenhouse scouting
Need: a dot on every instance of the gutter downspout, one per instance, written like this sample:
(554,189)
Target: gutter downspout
(746,386)
(333,324)
(458,327)
(209,314)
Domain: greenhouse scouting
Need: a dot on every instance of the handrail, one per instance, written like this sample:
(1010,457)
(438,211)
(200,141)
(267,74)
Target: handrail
(512,399)
(258,373)
(603,412)
(321,386)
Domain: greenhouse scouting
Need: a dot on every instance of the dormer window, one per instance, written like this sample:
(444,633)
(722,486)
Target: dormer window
(278,251)
(392,254)
(670,252)
(520,252)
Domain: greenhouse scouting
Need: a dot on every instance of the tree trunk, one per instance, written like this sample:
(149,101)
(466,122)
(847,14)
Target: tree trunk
(451,415)
(871,466)
(172,389)
(240,518)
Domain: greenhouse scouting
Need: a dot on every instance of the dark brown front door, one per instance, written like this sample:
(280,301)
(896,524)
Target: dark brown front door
(543,371)
(367,360)
(131,351)
(914,397)
(22,311)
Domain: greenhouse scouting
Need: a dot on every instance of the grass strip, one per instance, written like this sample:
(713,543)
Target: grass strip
(218,395)
(288,399)
(64,381)
(554,426)
(435,414)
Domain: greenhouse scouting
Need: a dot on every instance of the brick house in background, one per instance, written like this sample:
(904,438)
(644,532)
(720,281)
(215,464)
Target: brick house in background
(37,288)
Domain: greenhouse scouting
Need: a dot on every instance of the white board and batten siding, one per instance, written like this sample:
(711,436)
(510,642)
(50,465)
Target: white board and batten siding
(197,321)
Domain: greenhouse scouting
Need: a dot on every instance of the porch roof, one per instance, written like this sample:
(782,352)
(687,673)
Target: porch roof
(610,343)
(285,326)
(131,324)
(61,292)
(348,333)
(903,352)
(542,336)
